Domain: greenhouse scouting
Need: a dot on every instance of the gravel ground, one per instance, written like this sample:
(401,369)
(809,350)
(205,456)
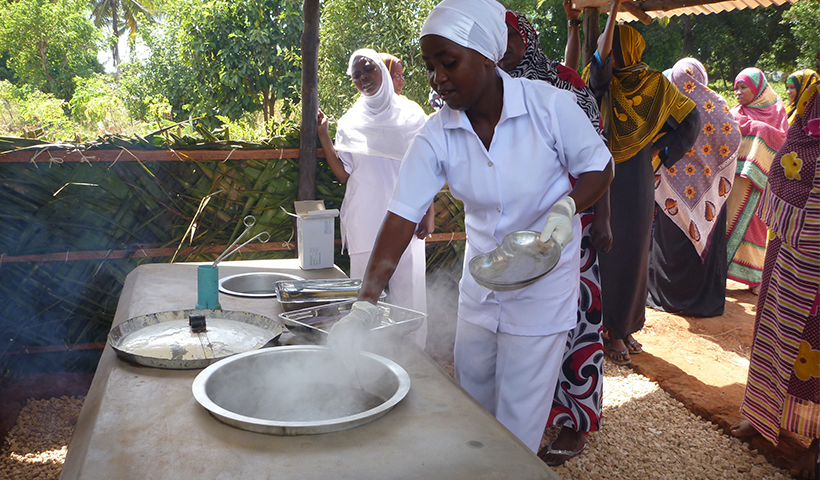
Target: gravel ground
(35,448)
(646,434)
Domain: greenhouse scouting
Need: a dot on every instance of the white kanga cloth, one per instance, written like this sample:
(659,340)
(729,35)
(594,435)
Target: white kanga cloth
(382,124)
(367,195)
(542,136)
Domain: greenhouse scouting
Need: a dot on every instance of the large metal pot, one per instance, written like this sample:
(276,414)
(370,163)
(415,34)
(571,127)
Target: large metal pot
(300,390)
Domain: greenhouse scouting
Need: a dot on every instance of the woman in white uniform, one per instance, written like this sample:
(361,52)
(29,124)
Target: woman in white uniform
(506,147)
(371,140)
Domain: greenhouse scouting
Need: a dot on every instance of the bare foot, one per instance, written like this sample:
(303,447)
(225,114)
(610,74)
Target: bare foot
(569,441)
(805,467)
(742,429)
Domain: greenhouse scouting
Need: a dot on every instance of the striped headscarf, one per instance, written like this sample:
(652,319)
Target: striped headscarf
(536,66)
(693,191)
(791,205)
(801,79)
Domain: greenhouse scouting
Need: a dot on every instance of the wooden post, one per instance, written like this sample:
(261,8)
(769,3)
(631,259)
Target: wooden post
(310,100)
(591,32)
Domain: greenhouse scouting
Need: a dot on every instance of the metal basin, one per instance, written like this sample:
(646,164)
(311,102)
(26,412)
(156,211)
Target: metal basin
(521,260)
(300,390)
(254,284)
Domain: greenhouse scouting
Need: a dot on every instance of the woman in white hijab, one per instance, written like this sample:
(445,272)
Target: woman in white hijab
(500,145)
(371,140)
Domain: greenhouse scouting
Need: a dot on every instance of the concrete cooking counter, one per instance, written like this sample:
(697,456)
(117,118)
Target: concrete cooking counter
(143,423)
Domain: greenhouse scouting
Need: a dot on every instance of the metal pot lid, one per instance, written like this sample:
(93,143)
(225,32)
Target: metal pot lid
(188,339)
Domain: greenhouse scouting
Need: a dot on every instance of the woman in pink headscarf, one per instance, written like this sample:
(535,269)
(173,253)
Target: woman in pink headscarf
(761,116)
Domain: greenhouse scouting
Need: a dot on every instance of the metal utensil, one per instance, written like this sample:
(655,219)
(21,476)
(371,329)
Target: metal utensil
(249,222)
(521,260)
(299,294)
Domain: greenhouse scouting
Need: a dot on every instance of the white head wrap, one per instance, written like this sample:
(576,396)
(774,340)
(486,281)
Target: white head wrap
(382,124)
(475,24)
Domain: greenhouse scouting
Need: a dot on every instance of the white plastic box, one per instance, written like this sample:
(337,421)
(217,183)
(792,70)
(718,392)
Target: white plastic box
(315,229)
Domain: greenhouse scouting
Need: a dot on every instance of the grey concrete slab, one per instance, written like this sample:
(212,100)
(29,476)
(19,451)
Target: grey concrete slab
(143,423)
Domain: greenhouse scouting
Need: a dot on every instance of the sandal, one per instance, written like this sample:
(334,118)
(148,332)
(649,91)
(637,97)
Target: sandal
(548,450)
(635,347)
(624,355)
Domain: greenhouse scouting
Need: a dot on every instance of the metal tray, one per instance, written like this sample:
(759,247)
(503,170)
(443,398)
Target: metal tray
(315,322)
(300,294)
(166,340)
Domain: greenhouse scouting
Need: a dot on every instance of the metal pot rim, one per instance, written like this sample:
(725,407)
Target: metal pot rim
(289,428)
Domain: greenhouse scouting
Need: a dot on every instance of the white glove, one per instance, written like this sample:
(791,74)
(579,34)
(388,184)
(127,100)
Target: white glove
(348,334)
(559,222)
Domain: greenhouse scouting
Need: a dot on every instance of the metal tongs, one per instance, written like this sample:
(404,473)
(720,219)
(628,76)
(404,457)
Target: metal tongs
(249,222)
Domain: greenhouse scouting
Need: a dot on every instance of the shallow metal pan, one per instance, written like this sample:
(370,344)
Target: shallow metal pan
(166,339)
(521,260)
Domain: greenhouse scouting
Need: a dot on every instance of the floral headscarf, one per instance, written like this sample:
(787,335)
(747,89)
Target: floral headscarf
(693,191)
(536,66)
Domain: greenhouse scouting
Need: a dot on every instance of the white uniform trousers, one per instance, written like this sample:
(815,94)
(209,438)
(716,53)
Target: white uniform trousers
(512,376)
(408,286)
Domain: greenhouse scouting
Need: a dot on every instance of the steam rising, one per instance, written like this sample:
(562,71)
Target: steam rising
(302,386)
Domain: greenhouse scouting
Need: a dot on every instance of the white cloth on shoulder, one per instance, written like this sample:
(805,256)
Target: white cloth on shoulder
(475,24)
(382,124)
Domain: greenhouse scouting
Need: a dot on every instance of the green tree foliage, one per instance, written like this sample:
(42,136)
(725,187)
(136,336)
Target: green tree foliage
(96,102)
(121,15)
(244,54)
(383,25)
(804,20)
(725,43)
(49,43)
(164,74)
(29,112)
(549,20)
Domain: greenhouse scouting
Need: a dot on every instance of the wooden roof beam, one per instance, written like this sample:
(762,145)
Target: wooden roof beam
(636,11)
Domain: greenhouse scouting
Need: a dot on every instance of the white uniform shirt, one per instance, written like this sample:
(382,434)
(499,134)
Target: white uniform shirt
(369,189)
(541,137)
